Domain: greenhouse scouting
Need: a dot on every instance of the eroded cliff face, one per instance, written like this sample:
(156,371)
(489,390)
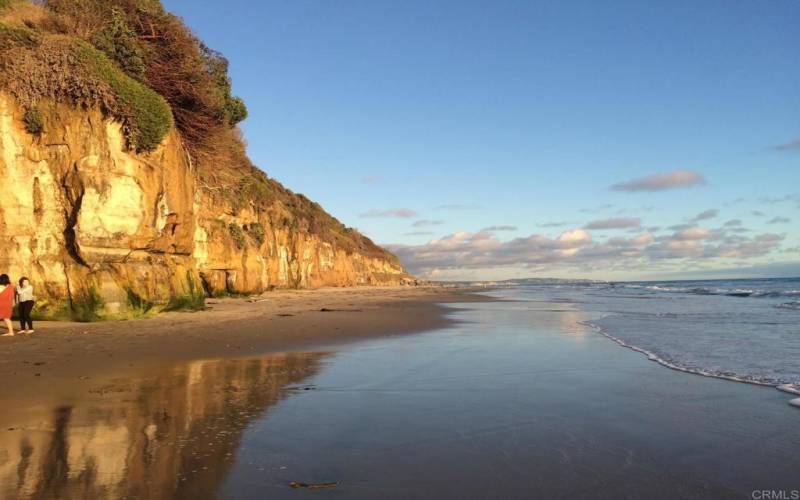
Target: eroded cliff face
(102,231)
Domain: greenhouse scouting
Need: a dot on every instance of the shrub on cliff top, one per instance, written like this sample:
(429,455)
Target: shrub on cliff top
(154,47)
(13,36)
(49,68)
(35,67)
(118,41)
(145,114)
(191,77)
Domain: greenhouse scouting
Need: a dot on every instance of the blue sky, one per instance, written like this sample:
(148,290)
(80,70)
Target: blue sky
(422,123)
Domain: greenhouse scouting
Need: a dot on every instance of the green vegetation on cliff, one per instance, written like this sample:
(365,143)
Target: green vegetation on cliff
(120,43)
(37,65)
(194,298)
(237,235)
(156,48)
(34,123)
(146,114)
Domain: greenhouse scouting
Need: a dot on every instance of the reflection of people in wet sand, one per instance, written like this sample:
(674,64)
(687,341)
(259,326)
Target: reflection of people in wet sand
(6,303)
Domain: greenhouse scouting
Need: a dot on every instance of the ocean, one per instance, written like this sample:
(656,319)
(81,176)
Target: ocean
(745,330)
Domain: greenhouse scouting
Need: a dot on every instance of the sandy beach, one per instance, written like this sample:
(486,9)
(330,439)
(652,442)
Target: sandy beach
(63,352)
(510,396)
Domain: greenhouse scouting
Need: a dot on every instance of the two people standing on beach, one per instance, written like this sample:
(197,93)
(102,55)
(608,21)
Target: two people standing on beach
(23,297)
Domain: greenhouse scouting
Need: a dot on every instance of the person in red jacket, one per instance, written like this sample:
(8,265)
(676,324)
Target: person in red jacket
(6,303)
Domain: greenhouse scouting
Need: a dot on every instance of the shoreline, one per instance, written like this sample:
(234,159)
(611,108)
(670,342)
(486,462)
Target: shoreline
(277,321)
(788,388)
(672,366)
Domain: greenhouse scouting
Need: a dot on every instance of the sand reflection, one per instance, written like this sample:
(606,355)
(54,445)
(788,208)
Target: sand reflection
(172,435)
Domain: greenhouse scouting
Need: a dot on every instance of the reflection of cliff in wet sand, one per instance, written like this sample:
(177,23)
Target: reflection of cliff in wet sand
(172,435)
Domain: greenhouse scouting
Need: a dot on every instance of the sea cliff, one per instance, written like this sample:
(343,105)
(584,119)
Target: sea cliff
(113,209)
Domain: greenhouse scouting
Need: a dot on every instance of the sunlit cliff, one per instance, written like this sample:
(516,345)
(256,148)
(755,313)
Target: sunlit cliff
(126,183)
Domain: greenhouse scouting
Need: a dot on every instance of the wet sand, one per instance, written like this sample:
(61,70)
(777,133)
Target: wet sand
(62,352)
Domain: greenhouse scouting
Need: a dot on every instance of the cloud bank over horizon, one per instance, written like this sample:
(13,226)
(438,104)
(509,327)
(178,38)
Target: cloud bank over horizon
(612,245)
(578,250)
(619,243)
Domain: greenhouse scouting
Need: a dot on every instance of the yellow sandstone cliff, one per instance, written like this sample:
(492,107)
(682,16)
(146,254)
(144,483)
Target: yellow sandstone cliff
(103,231)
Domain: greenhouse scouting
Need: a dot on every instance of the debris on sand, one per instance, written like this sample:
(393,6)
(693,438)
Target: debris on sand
(312,486)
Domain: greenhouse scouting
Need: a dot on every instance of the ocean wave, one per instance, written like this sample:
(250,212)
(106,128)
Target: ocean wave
(674,365)
(701,290)
(795,304)
(790,388)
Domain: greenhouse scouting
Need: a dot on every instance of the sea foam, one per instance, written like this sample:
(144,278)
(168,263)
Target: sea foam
(790,388)
(695,371)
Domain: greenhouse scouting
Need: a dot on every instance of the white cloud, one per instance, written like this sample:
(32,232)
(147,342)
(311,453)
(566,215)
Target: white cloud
(427,222)
(779,199)
(499,228)
(661,182)
(789,146)
(780,220)
(458,206)
(692,233)
(615,223)
(598,208)
(371,179)
(574,237)
(403,213)
(707,214)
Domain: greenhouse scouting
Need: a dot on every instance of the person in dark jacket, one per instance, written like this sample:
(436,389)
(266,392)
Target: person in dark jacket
(25,303)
